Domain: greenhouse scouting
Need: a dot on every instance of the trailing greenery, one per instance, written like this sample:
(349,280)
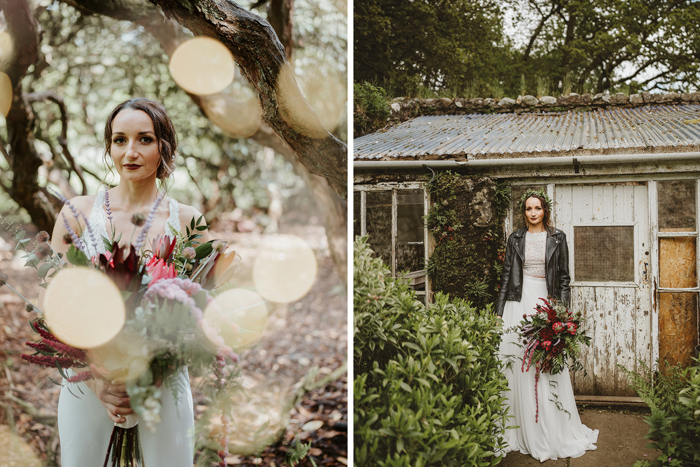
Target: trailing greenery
(428,384)
(673,395)
(468,255)
(371,108)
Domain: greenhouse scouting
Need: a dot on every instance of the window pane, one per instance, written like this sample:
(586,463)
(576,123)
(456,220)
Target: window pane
(677,205)
(409,213)
(379,223)
(677,265)
(409,257)
(357,214)
(516,191)
(604,253)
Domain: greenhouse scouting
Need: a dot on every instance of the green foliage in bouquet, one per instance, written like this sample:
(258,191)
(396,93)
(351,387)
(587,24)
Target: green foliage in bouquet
(466,221)
(428,384)
(673,395)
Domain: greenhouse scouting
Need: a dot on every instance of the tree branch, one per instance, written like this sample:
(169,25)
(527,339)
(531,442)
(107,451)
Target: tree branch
(63,138)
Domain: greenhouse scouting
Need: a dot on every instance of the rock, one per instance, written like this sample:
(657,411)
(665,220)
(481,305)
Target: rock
(646,96)
(586,99)
(428,102)
(490,102)
(459,103)
(619,98)
(548,100)
(482,208)
(530,101)
(695,97)
(670,97)
(636,99)
(477,102)
(445,102)
(506,102)
(395,107)
(601,98)
(519,100)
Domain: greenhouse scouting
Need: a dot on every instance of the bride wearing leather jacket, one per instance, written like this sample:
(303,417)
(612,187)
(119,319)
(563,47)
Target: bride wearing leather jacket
(536,266)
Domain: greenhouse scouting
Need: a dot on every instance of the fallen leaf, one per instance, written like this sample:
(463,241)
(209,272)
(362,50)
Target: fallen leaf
(312,425)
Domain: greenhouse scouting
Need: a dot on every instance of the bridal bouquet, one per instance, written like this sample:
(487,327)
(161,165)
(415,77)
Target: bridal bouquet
(164,291)
(553,339)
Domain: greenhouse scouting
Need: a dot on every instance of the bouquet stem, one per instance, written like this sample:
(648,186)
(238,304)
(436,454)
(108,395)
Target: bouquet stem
(124,448)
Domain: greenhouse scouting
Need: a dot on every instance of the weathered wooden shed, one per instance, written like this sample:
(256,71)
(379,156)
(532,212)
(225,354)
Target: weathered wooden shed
(624,176)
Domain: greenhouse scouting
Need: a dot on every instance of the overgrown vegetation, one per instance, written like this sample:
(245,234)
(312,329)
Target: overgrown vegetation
(673,395)
(466,219)
(428,384)
(371,108)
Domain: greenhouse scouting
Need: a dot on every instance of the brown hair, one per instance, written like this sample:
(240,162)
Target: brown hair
(162,126)
(546,220)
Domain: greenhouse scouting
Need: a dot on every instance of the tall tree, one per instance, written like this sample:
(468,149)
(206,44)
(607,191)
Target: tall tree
(431,43)
(601,45)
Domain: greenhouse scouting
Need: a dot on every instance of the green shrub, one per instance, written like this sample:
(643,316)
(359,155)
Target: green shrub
(428,384)
(371,109)
(673,395)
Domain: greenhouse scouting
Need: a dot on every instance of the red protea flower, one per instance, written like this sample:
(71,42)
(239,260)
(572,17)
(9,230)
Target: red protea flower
(163,247)
(120,268)
(571,327)
(558,327)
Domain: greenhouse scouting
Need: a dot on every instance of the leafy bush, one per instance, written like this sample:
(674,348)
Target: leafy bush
(673,395)
(371,108)
(428,384)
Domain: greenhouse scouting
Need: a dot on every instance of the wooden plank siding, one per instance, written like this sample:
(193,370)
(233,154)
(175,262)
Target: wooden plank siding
(618,314)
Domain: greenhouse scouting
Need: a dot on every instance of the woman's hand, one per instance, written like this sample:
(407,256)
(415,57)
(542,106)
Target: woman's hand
(112,395)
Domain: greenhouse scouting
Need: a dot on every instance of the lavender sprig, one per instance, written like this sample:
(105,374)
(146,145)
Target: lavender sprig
(74,236)
(149,220)
(108,207)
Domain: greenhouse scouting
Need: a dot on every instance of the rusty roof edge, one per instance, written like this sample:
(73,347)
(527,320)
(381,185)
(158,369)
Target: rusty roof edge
(532,161)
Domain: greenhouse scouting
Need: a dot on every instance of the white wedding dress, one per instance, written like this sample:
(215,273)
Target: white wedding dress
(558,433)
(83,425)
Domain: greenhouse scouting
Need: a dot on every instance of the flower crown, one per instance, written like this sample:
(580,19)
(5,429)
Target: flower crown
(531,192)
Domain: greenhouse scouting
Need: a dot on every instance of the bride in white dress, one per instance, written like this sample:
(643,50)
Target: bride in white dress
(536,266)
(141,141)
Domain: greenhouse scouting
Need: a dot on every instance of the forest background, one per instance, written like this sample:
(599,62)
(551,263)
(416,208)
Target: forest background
(488,48)
(251,168)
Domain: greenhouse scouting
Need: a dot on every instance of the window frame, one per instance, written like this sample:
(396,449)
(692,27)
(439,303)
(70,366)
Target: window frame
(427,238)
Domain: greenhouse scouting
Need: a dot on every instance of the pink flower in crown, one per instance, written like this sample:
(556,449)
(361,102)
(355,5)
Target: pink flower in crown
(546,344)
(163,247)
(558,327)
(571,327)
(158,269)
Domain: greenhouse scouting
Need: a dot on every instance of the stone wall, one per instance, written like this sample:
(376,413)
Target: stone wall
(403,109)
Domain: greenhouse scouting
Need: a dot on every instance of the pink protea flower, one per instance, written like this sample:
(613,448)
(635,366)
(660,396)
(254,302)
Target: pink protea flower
(547,344)
(158,269)
(571,327)
(558,327)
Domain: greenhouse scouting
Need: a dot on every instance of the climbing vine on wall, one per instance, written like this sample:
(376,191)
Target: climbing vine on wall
(466,220)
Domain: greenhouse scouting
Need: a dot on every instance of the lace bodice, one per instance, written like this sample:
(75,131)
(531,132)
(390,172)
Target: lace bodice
(535,250)
(98,223)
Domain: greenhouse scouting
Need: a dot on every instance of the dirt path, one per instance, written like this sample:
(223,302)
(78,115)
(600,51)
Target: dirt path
(621,442)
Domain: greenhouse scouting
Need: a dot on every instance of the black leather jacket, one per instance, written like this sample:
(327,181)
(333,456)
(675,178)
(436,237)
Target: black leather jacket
(556,268)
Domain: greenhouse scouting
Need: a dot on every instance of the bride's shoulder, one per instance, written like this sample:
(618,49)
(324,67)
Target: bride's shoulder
(82,203)
(187,212)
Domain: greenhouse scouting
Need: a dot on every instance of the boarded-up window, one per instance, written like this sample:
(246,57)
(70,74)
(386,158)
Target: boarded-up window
(378,223)
(677,205)
(677,262)
(516,192)
(410,248)
(604,253)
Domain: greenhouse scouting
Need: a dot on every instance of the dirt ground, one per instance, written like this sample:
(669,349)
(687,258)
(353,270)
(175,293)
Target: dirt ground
(301,357)
(620,443)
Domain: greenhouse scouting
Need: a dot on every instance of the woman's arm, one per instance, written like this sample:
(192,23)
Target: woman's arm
(564,278)
(505,277)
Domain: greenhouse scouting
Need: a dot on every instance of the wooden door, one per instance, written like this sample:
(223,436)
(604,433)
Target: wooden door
(608,233)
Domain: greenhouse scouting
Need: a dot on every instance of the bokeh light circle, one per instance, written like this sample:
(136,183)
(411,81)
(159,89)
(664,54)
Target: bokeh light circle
(241,118)
(125,358)
(5,94)
(285,268)
(202,66)
(83,308)
(235,318)
(294,108)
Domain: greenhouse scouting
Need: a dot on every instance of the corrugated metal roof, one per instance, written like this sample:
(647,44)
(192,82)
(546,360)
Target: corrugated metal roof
(617,129)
